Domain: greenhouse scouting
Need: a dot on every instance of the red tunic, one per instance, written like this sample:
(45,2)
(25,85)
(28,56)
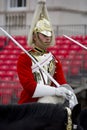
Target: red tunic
(27,80)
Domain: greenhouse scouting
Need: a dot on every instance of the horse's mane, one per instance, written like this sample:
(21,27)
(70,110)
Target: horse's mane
(51,111)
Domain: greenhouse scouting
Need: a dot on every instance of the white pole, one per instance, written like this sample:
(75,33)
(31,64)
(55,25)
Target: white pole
(75,42)
(50,77)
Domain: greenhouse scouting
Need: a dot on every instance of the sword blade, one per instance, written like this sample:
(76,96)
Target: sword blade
(78,43)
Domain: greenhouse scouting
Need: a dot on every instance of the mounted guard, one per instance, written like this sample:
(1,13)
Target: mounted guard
(37,66)
(36,84)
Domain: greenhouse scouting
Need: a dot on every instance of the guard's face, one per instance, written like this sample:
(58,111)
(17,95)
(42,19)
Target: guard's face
(44,38)
(43,41)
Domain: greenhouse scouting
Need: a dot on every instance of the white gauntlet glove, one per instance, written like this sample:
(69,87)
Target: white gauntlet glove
(70,96)
(49,94)
(61,91)
(46,90)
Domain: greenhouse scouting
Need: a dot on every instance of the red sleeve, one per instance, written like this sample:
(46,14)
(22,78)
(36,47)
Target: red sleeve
(59,75)
(25,74)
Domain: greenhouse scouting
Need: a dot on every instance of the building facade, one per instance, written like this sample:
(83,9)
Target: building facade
(16,15)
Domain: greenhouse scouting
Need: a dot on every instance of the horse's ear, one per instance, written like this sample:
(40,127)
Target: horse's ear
(75,112)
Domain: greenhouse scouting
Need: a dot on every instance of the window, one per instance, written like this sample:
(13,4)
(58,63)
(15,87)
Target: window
(17,3)
(15,17)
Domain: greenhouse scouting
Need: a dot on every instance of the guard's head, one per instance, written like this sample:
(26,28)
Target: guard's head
(41,23)
(42,34)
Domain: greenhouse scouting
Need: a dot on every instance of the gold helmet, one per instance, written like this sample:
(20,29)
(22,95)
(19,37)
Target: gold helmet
(43,26)
(41,23)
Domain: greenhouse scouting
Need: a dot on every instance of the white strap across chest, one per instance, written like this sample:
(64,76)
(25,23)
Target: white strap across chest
(45,60)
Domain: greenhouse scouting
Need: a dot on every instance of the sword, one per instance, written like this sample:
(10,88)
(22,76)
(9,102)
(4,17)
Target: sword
(49,76)
(78,43)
